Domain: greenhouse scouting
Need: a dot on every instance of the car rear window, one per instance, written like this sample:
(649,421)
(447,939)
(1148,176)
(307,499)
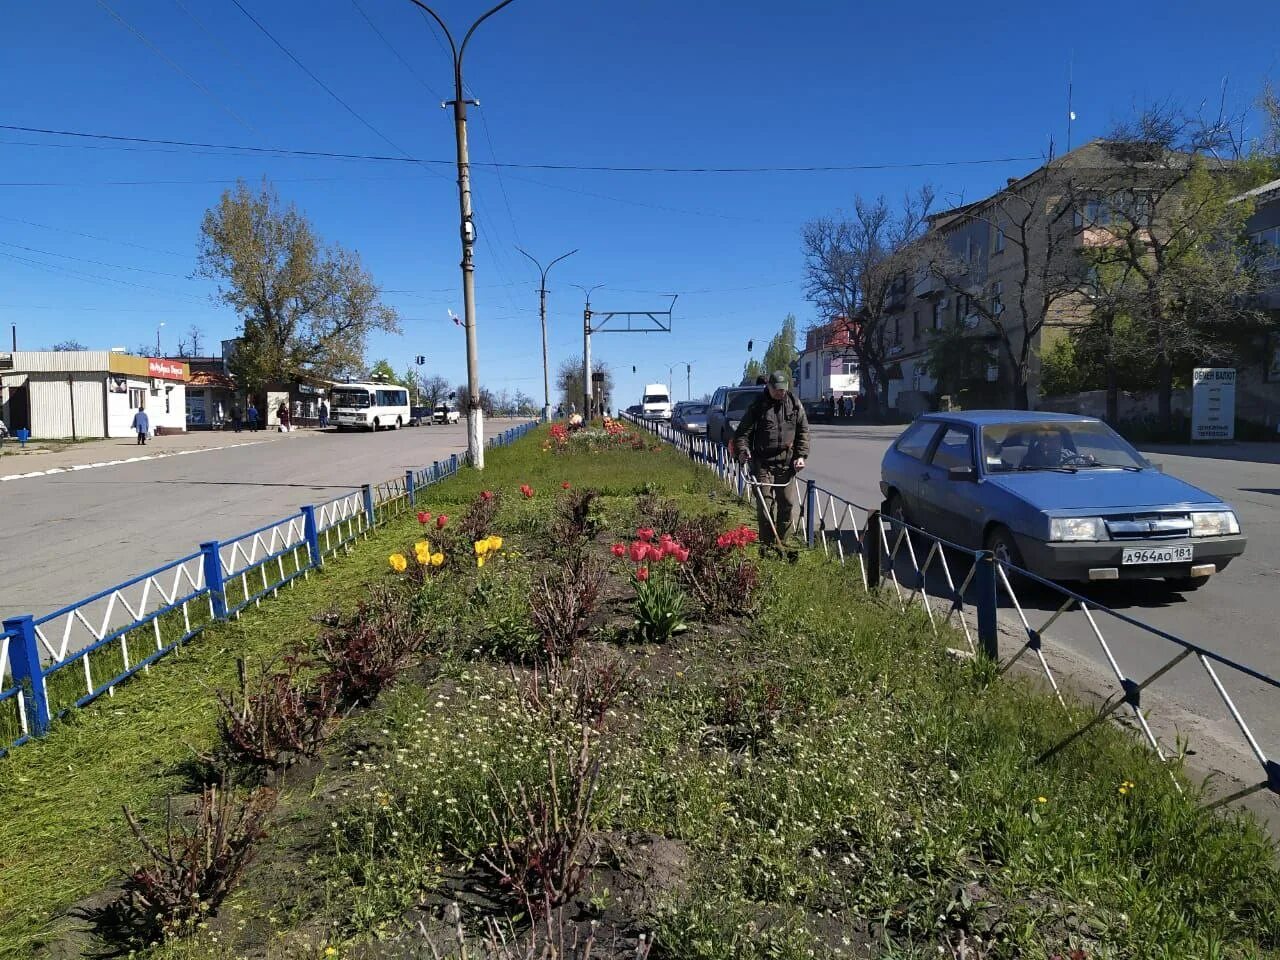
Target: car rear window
(953,449)
(915,441)
(694,409)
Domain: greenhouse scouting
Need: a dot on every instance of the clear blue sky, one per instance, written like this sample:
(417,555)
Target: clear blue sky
(650,83)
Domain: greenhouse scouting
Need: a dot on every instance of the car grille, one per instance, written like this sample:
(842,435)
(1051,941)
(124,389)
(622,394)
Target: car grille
(1148,526)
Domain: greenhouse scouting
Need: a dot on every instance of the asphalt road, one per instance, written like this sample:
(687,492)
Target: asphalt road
(68,535)
(1235,615)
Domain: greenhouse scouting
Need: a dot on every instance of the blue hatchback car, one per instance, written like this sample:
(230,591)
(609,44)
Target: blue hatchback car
(1063,496)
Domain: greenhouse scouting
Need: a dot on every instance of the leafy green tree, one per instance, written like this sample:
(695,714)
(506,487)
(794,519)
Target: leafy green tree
(382,370)
(305,306)
(753,371)
(782,348)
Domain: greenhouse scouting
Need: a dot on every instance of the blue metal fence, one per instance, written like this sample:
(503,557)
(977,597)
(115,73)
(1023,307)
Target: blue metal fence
(991,604)
(52,664)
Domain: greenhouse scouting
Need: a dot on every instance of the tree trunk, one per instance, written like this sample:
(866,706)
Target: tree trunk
(865,385)
(1113,389)
(1164,370)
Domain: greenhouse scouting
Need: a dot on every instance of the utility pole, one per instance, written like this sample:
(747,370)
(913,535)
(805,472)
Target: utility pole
(475,416)
(586,349)
(688,373)
(542,313)
(158,329)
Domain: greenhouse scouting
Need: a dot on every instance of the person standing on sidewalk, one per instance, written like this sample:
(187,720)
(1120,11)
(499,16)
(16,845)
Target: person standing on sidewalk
(282,414)
(253,417)
(237,419)
(324,415)
(773,438)
(142,424)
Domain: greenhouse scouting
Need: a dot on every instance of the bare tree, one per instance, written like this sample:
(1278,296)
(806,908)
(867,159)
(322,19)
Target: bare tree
(68,346)
(851,268)
(191,344)
(569,382)
(435,388)
(1023,264)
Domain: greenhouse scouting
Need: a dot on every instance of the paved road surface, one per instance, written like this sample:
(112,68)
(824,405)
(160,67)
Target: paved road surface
(1235,615)
(67,535)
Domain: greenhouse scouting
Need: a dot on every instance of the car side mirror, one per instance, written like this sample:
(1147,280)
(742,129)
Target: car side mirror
(968,474)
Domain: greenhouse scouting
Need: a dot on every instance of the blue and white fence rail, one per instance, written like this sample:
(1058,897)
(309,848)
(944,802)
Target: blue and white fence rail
(55,663)
(1006,614)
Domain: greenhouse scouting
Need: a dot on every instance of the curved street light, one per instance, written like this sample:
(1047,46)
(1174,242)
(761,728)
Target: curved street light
(586,348)
(542,313)
(475,416)
(688,364)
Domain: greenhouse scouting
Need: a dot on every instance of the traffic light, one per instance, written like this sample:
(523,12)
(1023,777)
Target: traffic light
(421,359)
(749,343)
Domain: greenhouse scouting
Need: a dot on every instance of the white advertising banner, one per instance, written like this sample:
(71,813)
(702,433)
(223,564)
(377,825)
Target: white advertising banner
(1213,403)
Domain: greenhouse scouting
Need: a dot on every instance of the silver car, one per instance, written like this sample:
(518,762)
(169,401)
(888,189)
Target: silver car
(691,417)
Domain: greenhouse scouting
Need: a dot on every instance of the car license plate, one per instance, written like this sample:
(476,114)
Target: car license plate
(1134,555)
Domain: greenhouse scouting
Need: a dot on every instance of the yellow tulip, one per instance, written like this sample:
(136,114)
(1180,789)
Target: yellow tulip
(480,560)
(437,559)
(495,543)
(423,546)
(482,547)
(398,562)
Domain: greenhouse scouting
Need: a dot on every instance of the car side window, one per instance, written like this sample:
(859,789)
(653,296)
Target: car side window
(915,441)
(954,449)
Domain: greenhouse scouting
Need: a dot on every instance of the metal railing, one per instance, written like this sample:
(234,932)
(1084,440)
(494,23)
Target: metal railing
(1006,614)
(52,664)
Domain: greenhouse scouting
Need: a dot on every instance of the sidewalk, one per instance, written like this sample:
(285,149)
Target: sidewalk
(16,463)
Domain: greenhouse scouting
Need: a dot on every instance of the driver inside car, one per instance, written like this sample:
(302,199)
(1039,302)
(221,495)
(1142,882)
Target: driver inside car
(1044,450)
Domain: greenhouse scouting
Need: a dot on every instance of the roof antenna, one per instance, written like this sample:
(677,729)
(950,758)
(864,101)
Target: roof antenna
(1071,114)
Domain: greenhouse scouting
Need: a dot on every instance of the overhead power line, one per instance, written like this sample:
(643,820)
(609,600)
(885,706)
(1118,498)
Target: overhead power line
(583,168)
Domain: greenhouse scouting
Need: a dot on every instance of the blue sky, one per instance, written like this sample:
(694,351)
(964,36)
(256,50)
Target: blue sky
(650,83)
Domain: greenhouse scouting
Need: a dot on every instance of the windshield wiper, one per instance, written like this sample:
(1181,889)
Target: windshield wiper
(1024,467)
(1118,466)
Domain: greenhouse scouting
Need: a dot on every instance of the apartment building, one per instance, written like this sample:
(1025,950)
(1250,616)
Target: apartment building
(828,366)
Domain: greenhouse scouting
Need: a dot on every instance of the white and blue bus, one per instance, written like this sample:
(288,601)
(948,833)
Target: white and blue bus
(368,406)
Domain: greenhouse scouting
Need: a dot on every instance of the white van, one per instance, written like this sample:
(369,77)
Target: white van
(656,402)
(445,413)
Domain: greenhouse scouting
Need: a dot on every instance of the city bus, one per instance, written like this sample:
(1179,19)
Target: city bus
(368,406)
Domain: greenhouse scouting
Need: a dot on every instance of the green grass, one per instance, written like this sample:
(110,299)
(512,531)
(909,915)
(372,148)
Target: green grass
(833,776)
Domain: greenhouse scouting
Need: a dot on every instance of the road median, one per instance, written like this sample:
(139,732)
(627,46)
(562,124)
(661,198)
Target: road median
(609,715)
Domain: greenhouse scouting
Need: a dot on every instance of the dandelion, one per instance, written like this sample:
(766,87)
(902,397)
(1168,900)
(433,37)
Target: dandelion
(1042,799)
(398,562)
(330,951)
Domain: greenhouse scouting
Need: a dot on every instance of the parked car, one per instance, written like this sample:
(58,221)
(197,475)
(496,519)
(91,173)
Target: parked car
(419,415)
(444,413)
(1061,495)
(656,402)
(728,404)
(691,417)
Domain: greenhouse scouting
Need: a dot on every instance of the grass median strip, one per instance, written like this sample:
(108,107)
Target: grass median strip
(623,725)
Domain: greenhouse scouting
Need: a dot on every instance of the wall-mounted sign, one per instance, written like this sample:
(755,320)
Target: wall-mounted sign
(166,369)
(1213,403)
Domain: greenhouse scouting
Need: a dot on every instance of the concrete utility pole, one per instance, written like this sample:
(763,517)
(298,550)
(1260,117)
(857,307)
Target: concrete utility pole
(542,313)
(688,377)
(475,415)
(586,349)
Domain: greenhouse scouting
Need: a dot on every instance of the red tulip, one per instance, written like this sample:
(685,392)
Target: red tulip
(618,550)
(642,574)
(424,517)
(486,495)
(565,485)
(645,534)
(655,553)
(682,555)
(441,521)
(638,551)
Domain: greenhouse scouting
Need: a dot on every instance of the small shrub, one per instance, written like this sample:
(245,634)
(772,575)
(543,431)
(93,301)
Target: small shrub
(719,574)
(582,691)
(558,938)
(364,654)
(575,519)
(194,868)
(564,602)
(278,719)
(477,522)
(658,512)
(543,849)
(747,710)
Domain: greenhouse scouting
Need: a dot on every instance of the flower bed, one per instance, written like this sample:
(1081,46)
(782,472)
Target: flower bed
(611,722)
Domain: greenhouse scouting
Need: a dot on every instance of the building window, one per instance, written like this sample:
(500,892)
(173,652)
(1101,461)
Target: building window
(897,331)
(137,397)
(997,298)
(937,315)
(998,246)
(962,308)
(915,324)
(808,370)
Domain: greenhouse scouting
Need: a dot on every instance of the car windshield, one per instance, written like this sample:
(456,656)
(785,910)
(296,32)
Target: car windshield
(694,410)
(738,402)
(350,398)
(656,398)
(1056,445)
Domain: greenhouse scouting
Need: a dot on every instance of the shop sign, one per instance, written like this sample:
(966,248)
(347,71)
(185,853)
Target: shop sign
(166,369)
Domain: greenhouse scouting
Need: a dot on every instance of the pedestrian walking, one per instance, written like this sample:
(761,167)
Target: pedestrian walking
(237,418)
(324,415)
(282,414)
(773,439)
(253,417)
(142,424)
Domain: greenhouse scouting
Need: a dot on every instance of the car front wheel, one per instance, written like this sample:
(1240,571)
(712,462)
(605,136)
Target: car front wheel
(1001,543)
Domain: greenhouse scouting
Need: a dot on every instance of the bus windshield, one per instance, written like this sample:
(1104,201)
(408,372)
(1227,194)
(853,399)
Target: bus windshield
(351,398)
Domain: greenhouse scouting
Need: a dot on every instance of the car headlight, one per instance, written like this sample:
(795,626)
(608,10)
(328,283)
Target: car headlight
(1077,528)
(1219,523)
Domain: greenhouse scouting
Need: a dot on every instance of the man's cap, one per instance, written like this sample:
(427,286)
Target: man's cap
(779,380)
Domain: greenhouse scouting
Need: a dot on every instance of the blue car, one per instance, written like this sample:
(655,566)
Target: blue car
(1063,496)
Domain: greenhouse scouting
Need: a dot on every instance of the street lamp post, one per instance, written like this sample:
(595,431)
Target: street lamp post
(688,374)
(475,416)
(159,327)
(586,349)
(542,313)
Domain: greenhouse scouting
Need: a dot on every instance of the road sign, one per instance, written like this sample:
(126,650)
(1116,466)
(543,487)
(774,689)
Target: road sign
(1213,403)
